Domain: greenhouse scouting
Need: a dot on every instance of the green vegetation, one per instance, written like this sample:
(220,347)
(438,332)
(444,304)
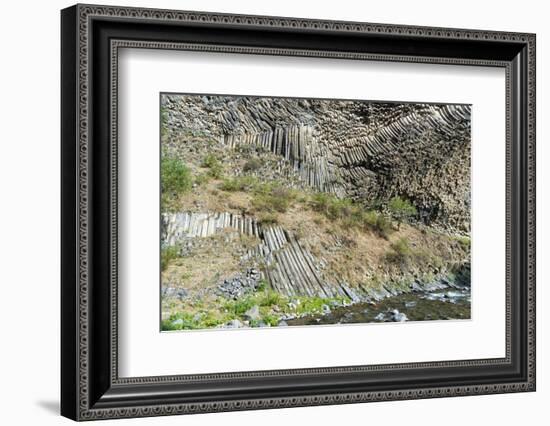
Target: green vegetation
(175,176)
(212,163)
(267,218)
(273,198)
(202,179)
(263,299)
(192,321)
(175,179)
(272,307)
(167,254)
(263,285)
(378,223)
(401,252)
(350,214)
(239,183)
(401,210)
(270,198)
(464,241)
(335,208)
(267,197)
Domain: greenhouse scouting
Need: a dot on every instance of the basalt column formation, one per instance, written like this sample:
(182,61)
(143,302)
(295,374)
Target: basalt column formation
(368,151)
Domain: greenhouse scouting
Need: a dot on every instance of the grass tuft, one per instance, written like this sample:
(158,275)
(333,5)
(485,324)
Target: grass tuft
(350,214)
(400,252)
(239,183)
(273,198)
(212,163)
(168,254)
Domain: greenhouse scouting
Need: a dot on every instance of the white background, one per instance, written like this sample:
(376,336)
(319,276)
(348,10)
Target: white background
(29,225)
(141,345)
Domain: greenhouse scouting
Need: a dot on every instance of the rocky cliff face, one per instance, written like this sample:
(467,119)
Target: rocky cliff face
(287,262)
(367,151)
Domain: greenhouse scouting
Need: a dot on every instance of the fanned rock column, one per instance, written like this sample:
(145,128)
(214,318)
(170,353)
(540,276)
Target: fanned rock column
(368,151)
(290,268)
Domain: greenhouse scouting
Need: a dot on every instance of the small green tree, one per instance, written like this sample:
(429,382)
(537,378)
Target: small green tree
(401,210)
(175,177)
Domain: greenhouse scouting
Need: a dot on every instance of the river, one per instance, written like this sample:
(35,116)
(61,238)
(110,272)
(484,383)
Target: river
(445,304)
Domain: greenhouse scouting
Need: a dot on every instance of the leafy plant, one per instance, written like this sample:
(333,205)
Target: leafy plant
(464,241)
(262,285)
(213,164)
(267,218)
(202,178)
(401,210)
(270,298)
(350,214)
(271,320)
(339,209)
(239,183)
(238,307)
(175,176)
(383,226)
(274,199)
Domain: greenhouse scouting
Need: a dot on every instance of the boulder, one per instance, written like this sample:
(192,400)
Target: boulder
(398,316)
(177,323)
(253,314)
(235,323)
(380,317)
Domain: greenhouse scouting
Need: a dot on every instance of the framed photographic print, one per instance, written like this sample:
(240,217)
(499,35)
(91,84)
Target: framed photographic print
(263,212)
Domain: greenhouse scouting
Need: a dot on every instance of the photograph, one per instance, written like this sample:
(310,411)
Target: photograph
(280,212)
(262,209)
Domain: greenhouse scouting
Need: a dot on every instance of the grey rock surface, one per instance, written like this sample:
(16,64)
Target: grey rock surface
(398,316)
(355,149)
(234,324)
(253,313)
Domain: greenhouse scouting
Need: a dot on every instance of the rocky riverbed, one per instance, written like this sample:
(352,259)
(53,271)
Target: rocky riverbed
(438,305)
(245,305)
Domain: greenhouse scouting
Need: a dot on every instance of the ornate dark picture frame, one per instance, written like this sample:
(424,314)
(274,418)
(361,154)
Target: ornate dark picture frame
(90,38)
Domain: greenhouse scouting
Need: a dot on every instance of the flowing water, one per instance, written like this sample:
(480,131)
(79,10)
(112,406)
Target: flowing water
(438,305)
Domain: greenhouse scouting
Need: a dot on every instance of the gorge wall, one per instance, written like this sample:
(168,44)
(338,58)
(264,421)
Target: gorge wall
(367,151)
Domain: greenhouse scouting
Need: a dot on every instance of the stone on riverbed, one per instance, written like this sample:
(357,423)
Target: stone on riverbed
(178,322)
(234,324)
(398,316)
(380,317)
(253,313)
